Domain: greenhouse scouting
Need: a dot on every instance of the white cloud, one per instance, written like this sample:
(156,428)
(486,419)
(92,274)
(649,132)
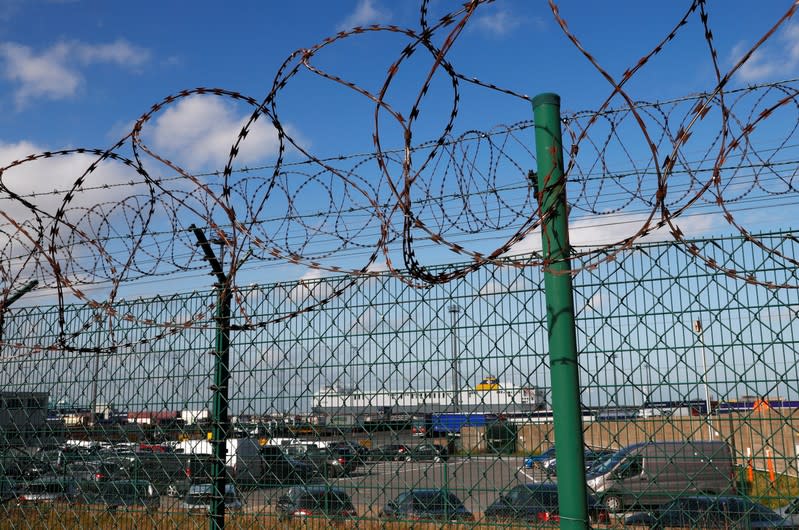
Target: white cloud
(497,23)
(494,287)
(44,183)
(119,52)
(776,57)
(55,73)
(37,76)
(366,12)
(43,176)
(311,288)
(198,132)
(378,267)
(597,231)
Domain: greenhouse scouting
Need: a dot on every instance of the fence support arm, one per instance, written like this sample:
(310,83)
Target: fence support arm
(220,423)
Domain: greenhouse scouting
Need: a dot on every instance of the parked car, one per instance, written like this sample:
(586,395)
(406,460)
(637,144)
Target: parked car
(388,452)
(652,473)
(357,451)
(125,494)
(6,489)
(791,511)
(436,453)
(199,497)
(324,461)
(542,460)
(58,459)
(537,502)
(198,469)
(354,446)
(314,501)
(426,505)
(547,460)
(281,468)
(707,511)
(97,471)
(18,465)
(594,456)
(47,489)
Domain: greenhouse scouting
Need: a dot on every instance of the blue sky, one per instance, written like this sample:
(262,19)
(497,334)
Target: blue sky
(79,73)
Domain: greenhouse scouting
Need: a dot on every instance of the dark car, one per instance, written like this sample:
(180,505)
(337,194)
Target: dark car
(426,505)
(281,468)
(357,451)
(388,452)
(124,495)
(314,501)
(329,463)
(537,502)
(324,461)
(6,489)
(349,458)
(47,489)
(707,511)
(17,466)
(58,459)
(436,453)
(95,471)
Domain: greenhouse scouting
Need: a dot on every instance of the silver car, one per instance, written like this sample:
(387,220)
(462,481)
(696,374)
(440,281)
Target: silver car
(791,512)
(49,489)
(198,499)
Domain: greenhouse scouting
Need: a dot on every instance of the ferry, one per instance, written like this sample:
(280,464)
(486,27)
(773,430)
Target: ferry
(488,396)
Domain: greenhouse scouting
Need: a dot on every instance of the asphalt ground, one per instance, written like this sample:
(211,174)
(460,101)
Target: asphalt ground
(478,481)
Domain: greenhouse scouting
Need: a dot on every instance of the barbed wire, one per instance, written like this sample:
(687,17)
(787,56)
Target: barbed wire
(473,182)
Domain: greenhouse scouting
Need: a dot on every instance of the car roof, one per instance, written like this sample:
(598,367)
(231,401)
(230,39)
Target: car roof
(540,486)
(428,492)
(321,489)
(206,487)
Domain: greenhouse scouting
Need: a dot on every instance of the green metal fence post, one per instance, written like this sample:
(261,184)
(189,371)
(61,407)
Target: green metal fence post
(560,314)
(220,423)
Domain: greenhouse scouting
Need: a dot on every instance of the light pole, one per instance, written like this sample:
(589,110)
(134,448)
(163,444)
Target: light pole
(454,309)
(698,330)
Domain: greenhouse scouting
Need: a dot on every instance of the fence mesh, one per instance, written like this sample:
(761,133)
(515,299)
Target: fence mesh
(372,373)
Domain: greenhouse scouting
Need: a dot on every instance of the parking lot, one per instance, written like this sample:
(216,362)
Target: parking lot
(477,481)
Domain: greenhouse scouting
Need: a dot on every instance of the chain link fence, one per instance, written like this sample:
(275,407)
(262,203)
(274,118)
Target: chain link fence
(389,389)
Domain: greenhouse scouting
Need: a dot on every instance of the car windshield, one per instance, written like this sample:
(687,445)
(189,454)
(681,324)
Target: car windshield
(204,491)
(437,501)
(49,487)
(604,465)
(330,500)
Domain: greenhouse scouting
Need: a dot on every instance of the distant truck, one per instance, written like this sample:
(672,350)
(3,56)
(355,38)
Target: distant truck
(449,423)
(243,460)
(650,473)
